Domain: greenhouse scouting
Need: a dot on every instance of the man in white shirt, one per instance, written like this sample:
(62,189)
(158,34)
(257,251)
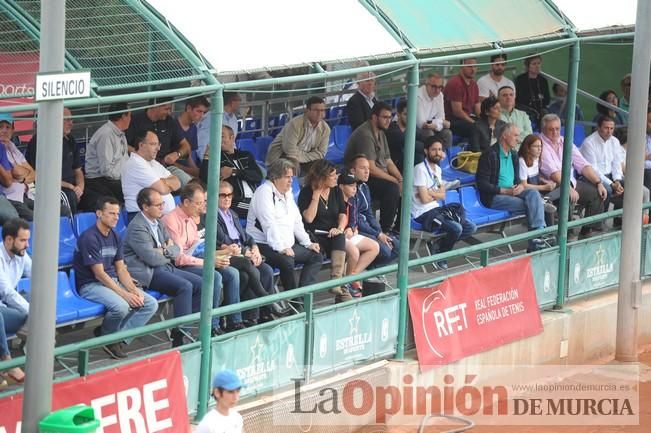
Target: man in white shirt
(490,83)
(142,170)
(106,152)
(223,418)
(601,150)
(430,116)
(14,264)
(275,224)
(425,207)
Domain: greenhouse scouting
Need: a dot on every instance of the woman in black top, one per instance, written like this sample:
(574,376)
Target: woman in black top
(532,89)
(324,214)
(485,129)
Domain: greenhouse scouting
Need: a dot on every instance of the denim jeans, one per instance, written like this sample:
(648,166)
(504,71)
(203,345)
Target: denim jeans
(528,202)
(229,278)
(119,315)
(183,286)
(11,320)
(453,230)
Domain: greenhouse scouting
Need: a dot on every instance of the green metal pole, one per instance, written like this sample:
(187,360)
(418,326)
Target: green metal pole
(205,322)
(563,211)
(405,208)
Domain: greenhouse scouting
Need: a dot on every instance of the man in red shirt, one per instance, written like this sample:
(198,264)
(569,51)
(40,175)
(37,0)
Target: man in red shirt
(462,99)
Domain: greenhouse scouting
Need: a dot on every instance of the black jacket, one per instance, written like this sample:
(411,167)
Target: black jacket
(358,110)
(488,172)
(247,171)
(480,138)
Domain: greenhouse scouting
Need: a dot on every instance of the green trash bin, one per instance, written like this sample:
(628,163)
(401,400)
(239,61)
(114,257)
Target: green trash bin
(75,419)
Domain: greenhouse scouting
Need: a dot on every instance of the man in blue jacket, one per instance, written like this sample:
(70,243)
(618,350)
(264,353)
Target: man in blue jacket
(499,184)
(368,224)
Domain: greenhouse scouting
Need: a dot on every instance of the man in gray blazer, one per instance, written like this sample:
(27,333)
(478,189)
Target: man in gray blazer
(149,254)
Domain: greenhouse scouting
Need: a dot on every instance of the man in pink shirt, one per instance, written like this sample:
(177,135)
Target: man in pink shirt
(462,99)
(181,224)
(587,190)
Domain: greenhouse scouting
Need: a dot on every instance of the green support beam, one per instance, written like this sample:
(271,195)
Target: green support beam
(563,211)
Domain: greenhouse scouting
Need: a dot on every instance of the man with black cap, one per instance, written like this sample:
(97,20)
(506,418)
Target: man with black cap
(223,418)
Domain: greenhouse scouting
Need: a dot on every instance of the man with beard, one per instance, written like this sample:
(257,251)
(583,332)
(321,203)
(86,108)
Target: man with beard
(385,180)
(425,207)
(14,264)
(491,83)
(462,99)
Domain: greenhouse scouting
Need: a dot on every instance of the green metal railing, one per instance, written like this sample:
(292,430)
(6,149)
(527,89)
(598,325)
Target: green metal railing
(81,348)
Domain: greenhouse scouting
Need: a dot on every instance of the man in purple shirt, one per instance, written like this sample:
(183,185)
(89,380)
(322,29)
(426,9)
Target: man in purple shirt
(587,190)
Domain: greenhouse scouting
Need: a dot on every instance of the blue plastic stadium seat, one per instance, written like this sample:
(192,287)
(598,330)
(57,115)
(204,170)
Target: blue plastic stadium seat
(85,220)
(276,123)
(579,134)
(70,307)
(177,200)
(342,133)
(296,188)
(246,144)
(261,147)
(67,241)
(336,115)
(335,155)
(86,309)
(452,196)
(251,128)
(475,211)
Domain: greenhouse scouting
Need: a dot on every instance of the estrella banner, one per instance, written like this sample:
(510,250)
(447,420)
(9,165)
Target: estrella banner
(264,359)
(144,397)
(545,275)
(346,334)
(594,264)
(474,312)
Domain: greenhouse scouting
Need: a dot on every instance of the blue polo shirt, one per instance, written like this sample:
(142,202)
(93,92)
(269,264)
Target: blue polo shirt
(93,248)
(506,177)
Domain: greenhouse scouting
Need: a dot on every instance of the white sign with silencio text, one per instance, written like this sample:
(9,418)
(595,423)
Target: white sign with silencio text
(62,86)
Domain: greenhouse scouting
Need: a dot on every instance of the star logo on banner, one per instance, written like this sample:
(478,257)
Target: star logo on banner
(601,255)
(256,351)
(354,322)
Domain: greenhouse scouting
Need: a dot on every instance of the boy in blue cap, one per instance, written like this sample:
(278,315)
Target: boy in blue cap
(226,387)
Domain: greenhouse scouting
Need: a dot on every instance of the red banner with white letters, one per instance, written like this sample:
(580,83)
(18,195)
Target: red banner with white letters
(144,397)
(474,312)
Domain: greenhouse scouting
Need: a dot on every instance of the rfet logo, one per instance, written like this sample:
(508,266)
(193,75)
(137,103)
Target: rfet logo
(441,320)
(473,312)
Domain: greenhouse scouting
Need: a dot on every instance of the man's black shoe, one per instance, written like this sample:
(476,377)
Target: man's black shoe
(116,350)
(177,337)
(235,327)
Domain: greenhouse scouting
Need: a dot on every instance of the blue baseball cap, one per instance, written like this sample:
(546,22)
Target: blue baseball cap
(7,117)
(228,380)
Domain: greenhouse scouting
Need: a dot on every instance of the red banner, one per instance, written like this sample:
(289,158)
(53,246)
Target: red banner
(474,312)
(145,397)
